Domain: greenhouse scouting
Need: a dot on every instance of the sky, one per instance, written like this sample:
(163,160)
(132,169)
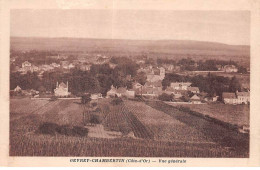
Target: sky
(229,27)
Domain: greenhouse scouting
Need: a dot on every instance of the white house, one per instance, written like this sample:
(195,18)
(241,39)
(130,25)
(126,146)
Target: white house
(17,89)
(62,90)
(243,97)
(26,64)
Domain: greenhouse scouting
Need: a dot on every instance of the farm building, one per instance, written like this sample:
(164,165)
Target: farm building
(236,98)
(229,98)
(62,90)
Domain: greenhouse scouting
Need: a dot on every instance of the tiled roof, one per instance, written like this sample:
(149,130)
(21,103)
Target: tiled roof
(193,88)
(63,85)
(121,90)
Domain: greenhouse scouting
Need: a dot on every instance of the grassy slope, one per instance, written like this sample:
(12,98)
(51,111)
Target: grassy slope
(159,47)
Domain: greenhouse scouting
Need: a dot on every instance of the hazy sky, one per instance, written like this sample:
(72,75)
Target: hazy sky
(230,27)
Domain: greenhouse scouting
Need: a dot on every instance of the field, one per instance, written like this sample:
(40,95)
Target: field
(234,114)
(154,132)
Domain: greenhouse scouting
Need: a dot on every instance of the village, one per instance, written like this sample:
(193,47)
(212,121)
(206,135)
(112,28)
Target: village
(118,99)
(149,87)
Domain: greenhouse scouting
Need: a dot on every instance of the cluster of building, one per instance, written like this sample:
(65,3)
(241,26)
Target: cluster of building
(19,90)
(227,68)
(236,98)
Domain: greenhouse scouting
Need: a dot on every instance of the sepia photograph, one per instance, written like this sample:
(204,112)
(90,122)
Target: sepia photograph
(129,83)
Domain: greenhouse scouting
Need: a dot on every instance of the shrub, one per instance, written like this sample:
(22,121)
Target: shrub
(165,97)
(53,128)
(80,131)
(48,128)
(94,104)
(116,101)
(97,110)
(184,109)
(95,119)
(53,98)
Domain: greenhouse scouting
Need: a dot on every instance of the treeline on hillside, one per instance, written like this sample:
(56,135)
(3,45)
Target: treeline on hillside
(35,57)
(211,84)
(191,65)
(98,80)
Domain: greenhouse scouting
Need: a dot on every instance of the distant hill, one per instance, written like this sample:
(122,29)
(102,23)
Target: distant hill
(130,47)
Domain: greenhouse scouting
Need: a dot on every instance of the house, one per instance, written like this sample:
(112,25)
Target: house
(219,67)
(195,99)
(177,93)
(153,89)
(112,92)
(84,67)
(55,65)
(34,68)
(120,92)
(17,89)
(62,90)
(243,97)
(71,66)
(229,98)
(130,93)
(155,74)
(26,64)
(102,60)
(194,90)
(112,65)
(140,62)
(236,98)
(64,64)
(96,96)
(137,87)
(168,67)
(215,98)
(180,85)
(230,68)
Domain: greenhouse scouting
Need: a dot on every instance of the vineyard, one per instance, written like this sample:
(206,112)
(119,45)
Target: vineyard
(122,120)
(214,132)
(157,131)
